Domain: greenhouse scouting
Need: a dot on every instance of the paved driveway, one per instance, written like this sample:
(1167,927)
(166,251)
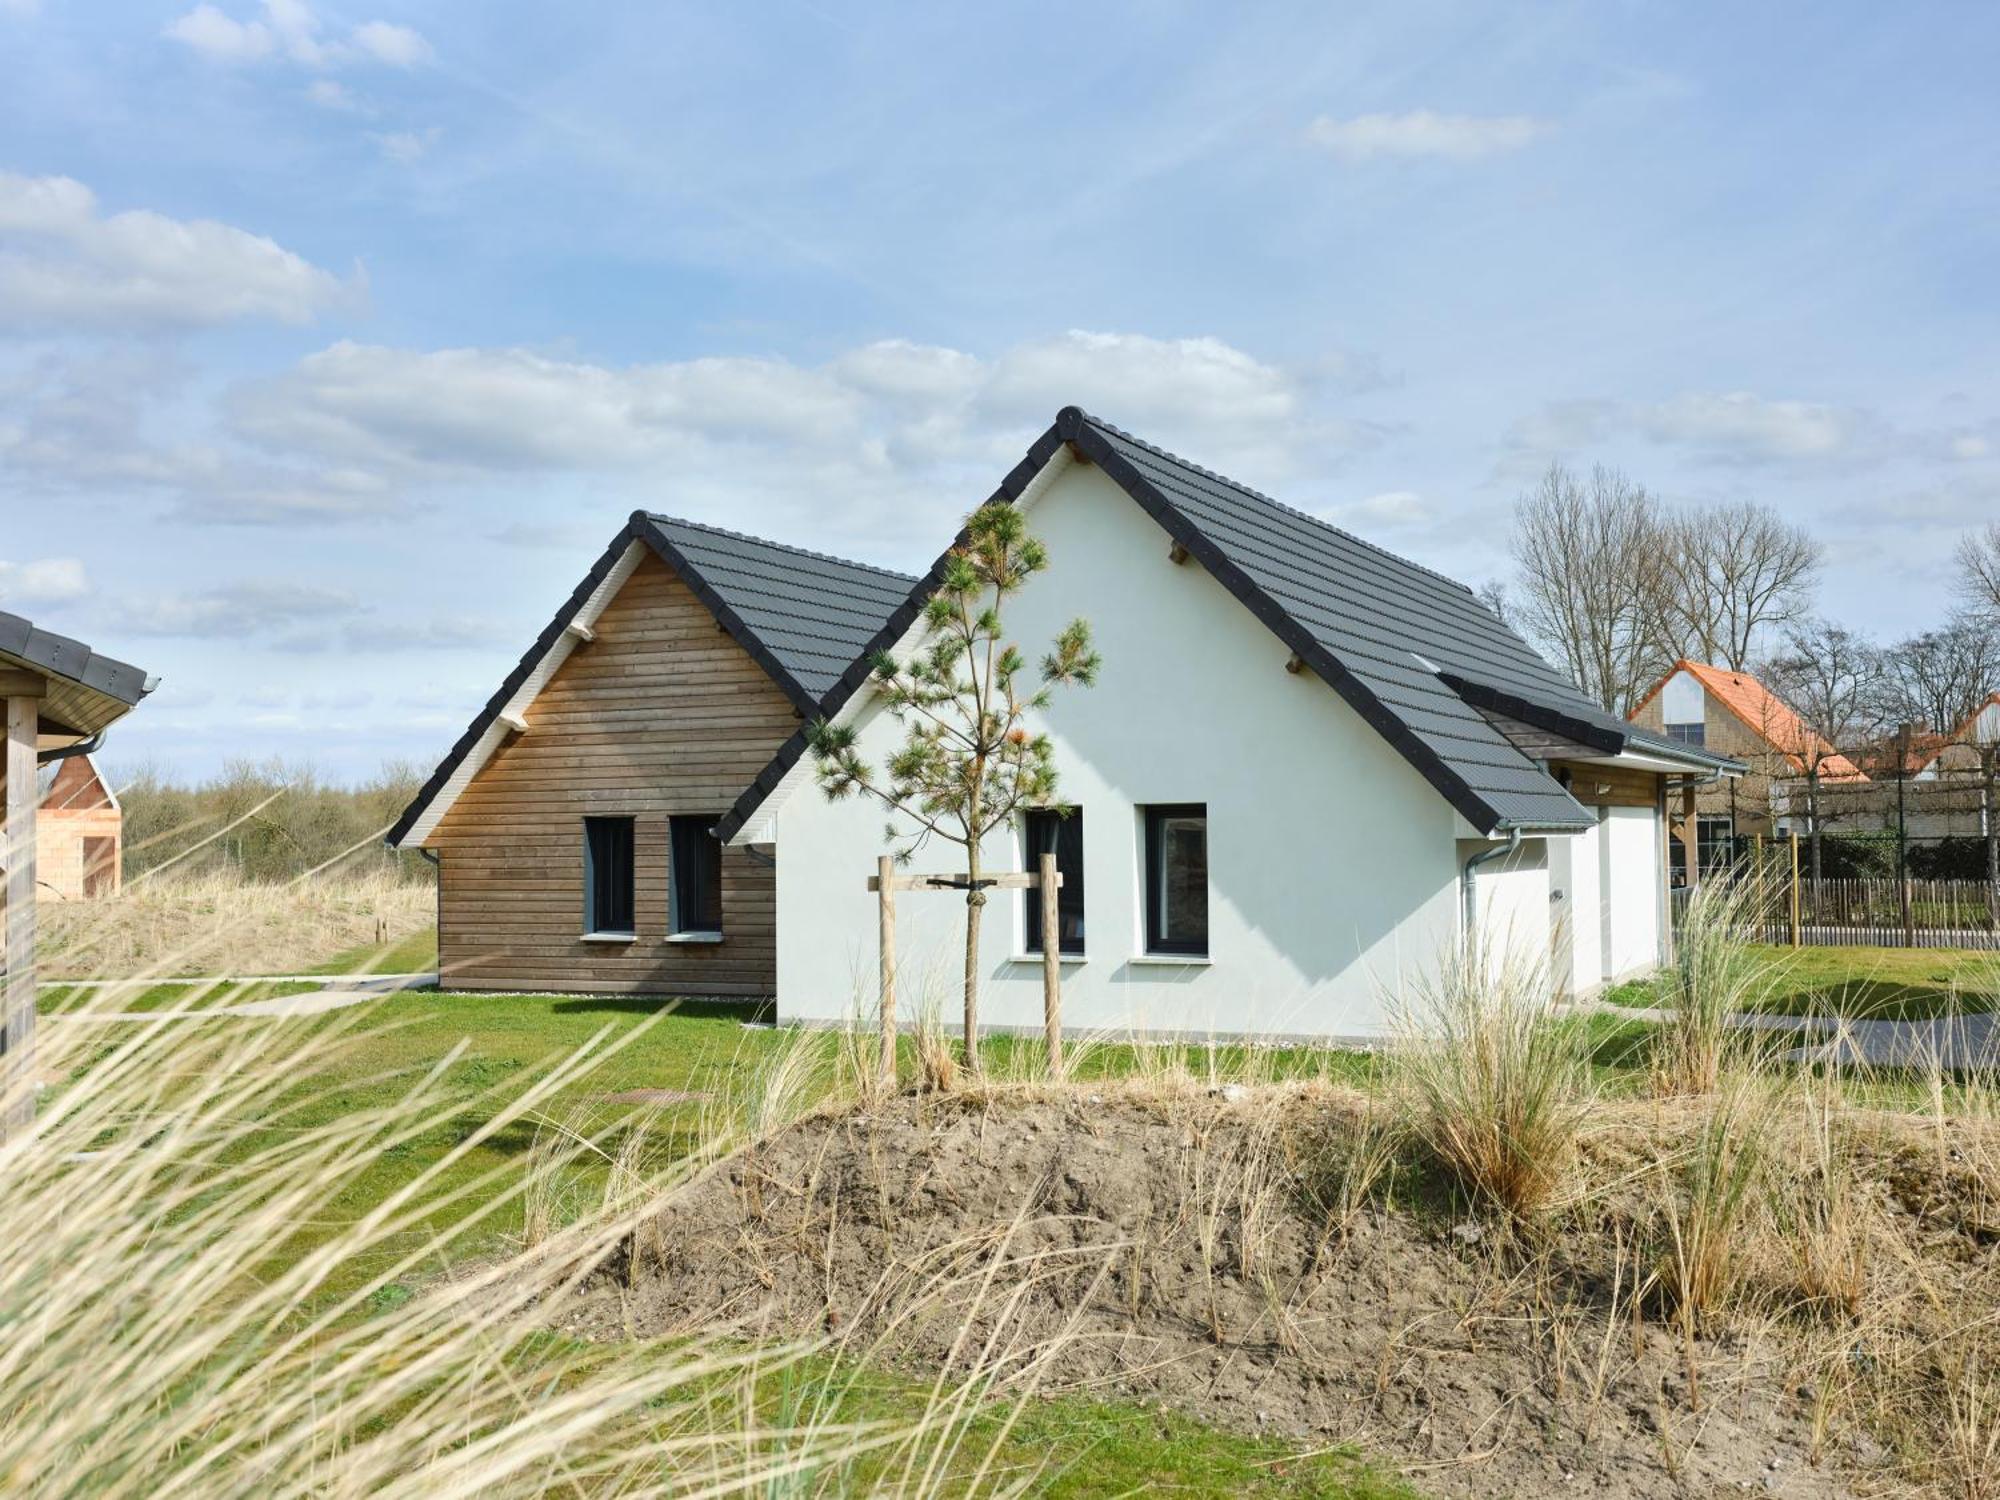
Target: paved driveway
(338,995)
(1955,1043)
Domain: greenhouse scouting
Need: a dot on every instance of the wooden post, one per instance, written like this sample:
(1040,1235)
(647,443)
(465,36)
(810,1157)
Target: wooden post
(1794,842)
(17,1079)
(885,883)
(1763,897)
(1690,839)
(1051,963)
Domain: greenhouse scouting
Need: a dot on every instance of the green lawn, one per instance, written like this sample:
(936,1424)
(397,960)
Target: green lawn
(1083,1447)
(1905,984)
(715,1052)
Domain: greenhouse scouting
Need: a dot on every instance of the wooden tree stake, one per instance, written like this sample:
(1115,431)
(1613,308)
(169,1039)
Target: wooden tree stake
(885,883)
(1051,884)
(1794,842)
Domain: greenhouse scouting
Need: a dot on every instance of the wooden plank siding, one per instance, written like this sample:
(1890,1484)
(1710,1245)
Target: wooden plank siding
(662,714)
(1623,786)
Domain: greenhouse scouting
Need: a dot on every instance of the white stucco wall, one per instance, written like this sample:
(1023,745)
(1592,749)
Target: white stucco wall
(1577,913)
(1513,898)
(1332,863)
(1631,847)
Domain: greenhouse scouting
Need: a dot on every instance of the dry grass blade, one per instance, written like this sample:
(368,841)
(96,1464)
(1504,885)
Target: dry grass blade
(1713,977)
(173,1337)
(1497,1084)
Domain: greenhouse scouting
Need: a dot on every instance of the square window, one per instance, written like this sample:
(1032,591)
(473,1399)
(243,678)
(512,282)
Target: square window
(1047,831)
(607,875)
(1177,879)
(695,882)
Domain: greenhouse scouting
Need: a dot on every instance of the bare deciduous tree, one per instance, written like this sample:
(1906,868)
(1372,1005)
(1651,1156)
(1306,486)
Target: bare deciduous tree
(1979,569)
(1937,679)
(1588,553)
(1831,677)
(1730,575)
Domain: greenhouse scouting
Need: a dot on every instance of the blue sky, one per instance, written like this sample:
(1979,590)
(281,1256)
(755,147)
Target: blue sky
(335,343)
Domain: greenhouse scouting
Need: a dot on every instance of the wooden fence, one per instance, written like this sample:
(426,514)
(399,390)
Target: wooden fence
(1879,912)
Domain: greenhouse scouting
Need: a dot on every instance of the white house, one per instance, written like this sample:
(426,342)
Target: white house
(1305,766)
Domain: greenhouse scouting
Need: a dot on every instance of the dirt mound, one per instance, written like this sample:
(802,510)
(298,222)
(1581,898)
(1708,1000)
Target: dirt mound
(1169,1251)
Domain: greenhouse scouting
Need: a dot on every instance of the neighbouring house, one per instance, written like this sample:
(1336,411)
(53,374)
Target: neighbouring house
(573,822)
(79,831)
(1307,768)
(59,697)
(1733,714)
(1931,784)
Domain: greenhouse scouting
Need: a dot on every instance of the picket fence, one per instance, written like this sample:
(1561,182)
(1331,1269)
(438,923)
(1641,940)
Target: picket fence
(1878,912)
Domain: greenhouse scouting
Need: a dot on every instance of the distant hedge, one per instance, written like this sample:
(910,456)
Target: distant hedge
(1957,858)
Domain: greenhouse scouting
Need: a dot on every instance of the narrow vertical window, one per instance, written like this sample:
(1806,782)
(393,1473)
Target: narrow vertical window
(607,876)
(1177,879)
(695,881)
(1050,832)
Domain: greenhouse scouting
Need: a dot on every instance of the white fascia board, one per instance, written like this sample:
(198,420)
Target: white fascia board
(531,686)
(1639,760)
(761,827)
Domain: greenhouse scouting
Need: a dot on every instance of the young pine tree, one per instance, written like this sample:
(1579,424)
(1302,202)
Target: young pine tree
(967,763)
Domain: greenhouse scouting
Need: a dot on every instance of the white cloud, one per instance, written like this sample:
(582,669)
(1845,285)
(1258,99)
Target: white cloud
(1174,384)
(289,29)
(399,46)
(221,39)
(1424,133)
(407,146)
(883,407)
(1391,508)
(246,611)
(1732,427)
(67,265)
(865,452)
(49,580)
(1744,426)
(329,93)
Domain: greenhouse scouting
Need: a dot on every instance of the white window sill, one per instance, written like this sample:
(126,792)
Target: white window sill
(1066,960)
(609,937)
(687,939)
(1171,960)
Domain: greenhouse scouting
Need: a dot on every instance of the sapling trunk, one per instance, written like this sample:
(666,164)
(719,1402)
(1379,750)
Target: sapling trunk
(975,908)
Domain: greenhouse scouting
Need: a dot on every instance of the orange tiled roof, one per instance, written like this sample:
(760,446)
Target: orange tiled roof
(1766,715)
(1923,749)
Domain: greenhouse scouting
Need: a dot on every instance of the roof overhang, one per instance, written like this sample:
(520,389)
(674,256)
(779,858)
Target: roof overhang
(505,711)
(82,693)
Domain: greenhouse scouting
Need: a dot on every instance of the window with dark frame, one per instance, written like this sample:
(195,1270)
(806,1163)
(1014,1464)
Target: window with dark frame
(1177,879)
(607,876)
(1047,831)
(1695,734)
(695,881)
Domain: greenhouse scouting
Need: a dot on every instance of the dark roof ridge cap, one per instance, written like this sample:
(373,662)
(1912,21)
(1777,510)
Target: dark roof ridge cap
(1307,516)
(657,516)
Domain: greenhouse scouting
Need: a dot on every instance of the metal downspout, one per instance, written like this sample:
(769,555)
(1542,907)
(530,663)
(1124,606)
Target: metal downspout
(1471,881)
